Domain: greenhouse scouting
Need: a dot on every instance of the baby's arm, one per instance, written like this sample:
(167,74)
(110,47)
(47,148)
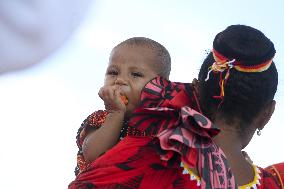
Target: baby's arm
(104,138)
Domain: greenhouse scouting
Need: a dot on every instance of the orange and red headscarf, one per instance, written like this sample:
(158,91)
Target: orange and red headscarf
(223,63)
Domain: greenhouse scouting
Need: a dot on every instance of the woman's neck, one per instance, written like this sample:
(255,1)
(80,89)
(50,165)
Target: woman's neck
(229,141)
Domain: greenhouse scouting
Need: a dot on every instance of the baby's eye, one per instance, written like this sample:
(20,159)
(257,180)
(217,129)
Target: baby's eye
(137,74)
(112,72)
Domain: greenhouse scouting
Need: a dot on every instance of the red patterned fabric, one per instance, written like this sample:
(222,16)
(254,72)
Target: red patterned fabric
(175,132)
(277,171)
(133,163)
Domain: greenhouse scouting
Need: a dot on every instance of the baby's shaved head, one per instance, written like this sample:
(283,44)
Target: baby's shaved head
(163,63)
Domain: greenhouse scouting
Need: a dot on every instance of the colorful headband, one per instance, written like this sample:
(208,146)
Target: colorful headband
(225,64)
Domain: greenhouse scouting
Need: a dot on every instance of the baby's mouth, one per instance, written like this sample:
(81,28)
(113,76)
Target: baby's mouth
(124,99)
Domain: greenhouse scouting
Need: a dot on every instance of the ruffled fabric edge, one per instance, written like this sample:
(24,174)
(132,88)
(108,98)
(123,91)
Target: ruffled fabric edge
(170,112)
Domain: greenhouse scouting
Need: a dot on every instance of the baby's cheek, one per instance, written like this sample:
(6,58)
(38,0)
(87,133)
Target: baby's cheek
(107,83)
(135,96)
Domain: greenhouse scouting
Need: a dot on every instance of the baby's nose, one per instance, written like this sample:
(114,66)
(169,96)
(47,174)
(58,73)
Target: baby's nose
(120,81)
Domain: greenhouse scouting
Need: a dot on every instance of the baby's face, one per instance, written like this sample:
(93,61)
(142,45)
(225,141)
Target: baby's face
(131,68)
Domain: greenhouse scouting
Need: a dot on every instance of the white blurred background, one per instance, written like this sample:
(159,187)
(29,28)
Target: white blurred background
(42,107)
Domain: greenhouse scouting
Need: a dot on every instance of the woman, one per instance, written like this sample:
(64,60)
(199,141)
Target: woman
(237,83)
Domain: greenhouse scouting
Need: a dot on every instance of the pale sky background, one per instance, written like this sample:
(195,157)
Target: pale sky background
(41,108)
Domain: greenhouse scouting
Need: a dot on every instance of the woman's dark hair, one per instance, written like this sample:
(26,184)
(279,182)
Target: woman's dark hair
(245,93)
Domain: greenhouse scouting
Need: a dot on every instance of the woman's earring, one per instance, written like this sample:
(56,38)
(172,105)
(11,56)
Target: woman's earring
(258,132)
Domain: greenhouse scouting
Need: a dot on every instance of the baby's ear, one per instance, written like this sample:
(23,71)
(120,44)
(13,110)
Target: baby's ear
(195,84)
(195,81)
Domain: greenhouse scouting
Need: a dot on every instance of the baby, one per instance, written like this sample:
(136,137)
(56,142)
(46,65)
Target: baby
(132,64)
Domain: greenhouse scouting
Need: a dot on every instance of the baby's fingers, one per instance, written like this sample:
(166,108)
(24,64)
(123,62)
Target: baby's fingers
(106,93)
(122,99)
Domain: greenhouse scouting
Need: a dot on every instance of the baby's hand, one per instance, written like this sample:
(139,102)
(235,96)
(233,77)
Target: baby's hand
(111,96)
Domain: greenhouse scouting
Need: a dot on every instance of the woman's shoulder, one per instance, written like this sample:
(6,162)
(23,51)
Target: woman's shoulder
(277,172)
(269,180)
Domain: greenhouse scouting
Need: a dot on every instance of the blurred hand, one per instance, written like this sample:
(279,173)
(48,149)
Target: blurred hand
(33,29)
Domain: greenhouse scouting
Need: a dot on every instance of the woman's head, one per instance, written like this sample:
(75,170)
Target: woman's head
(249,80)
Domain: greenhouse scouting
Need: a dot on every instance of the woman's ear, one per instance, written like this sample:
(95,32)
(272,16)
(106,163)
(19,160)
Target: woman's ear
(265,115)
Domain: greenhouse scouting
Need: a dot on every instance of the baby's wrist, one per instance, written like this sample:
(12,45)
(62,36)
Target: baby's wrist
(116,113)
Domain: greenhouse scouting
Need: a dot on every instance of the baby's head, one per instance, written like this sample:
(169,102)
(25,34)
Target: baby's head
(133,63)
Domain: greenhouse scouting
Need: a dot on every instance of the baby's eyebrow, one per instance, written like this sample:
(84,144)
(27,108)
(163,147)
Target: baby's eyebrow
(112,66)
(136,68)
